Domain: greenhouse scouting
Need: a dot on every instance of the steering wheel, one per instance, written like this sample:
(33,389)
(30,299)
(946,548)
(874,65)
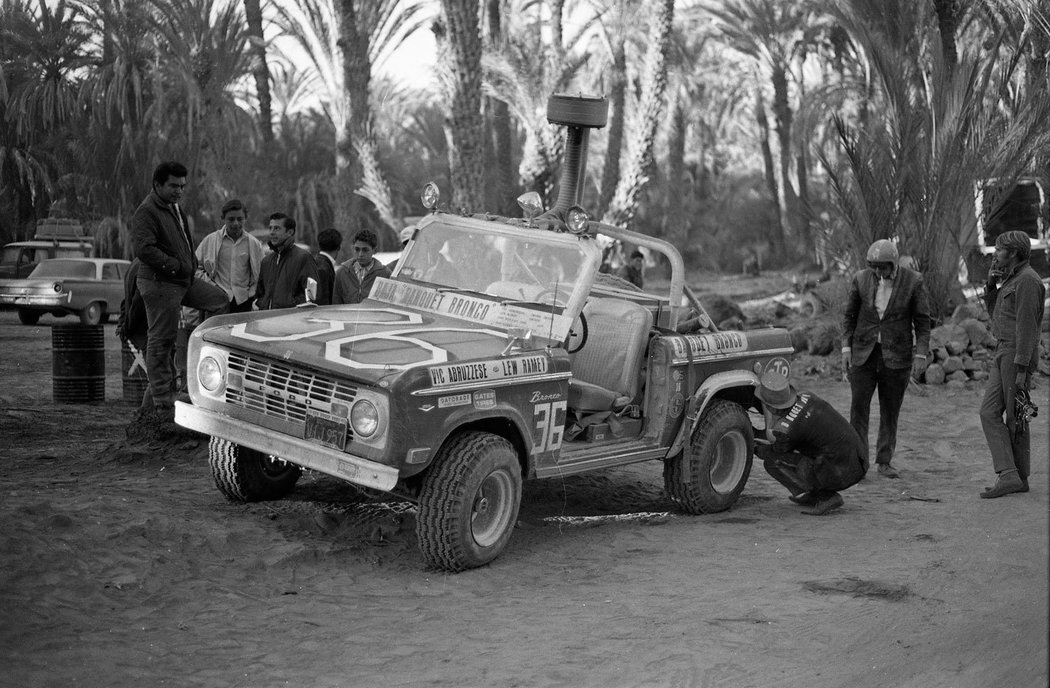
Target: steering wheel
(577,334)
(553,294)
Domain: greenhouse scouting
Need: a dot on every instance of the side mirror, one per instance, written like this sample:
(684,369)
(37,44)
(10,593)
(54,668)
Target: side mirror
(518,338)
(310,292)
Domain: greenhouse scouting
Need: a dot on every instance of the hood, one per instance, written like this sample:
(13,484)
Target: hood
(365,341)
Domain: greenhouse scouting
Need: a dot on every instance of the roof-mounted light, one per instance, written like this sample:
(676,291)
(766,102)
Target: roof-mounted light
(430,196)
(531,205)
(576,219)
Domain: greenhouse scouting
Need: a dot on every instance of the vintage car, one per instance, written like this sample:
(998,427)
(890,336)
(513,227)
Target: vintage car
(89,287)
(54,238)
(496,353)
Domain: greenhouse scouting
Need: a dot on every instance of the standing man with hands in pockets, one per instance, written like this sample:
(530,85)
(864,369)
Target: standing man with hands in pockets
(162,241)
(885,340)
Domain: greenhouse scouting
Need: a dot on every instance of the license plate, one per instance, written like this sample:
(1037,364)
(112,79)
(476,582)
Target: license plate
(325,429)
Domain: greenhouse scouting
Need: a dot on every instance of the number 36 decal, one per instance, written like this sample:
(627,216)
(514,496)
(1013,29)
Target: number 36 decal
(550,424)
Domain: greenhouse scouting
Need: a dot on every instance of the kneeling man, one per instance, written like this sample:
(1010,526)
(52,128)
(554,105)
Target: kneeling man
(812,450)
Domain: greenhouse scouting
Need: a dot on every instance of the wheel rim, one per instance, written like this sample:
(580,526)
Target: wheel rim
(490,513)
(274,467)
(730,461)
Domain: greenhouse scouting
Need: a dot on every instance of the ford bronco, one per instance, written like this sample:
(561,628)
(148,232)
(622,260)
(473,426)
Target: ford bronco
(495,353)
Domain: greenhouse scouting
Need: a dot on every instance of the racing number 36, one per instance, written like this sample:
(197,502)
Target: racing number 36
(550,422)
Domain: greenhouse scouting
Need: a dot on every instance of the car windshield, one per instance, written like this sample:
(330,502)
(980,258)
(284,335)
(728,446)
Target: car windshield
(525,265)
(494,274)
(77,269)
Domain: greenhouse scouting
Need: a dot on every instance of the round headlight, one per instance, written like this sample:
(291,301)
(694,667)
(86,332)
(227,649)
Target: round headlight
(364,418)
(576,218)
(210,374)
(430,196)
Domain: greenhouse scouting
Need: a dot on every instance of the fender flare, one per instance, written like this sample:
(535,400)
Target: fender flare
(701,399)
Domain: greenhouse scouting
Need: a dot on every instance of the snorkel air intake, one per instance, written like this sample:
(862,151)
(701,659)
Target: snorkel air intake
(580,114)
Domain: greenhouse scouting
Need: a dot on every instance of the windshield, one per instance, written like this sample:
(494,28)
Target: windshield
(516,264)
(499,275)
(77,269)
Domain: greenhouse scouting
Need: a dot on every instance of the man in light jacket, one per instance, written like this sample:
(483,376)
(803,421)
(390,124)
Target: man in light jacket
(232,258)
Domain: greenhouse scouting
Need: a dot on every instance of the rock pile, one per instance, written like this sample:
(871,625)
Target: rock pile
(962,349)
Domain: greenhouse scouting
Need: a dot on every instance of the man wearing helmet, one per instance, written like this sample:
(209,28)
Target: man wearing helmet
(1017,310)
(885,339)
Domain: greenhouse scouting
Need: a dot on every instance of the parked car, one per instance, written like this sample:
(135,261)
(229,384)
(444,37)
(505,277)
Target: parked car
(55,238)
(495,353)
(91,288)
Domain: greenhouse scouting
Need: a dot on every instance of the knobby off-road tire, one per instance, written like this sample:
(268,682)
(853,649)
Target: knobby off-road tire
(469,502)
(712,476)
(247,475)
(28,317)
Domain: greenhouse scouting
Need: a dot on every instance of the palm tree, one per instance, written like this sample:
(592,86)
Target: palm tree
(260,70)
(344,42)
(459,38)
(653,83)
(910,169)
(777,36)
(41,51)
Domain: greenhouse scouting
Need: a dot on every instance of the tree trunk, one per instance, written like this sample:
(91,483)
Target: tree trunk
(768,165)
(614,137)
(676,230)
(625,201)
(947,20)
(499,120)
(464,120)
(260,70)
(787,202)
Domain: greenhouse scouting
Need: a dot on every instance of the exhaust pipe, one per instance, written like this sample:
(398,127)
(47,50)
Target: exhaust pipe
(580,114)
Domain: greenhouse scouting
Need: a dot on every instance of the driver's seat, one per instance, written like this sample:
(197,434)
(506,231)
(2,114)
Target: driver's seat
(606,372)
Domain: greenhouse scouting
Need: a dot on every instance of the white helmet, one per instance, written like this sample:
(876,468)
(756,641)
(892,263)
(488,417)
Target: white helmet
(883,251)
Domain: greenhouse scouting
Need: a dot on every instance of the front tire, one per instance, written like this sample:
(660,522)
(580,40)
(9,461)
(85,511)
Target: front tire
(91,314)
(28,317)
(712,477)
(469,502)
(247,475)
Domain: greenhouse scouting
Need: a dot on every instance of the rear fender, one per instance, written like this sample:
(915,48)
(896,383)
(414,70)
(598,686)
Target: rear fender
(742,382)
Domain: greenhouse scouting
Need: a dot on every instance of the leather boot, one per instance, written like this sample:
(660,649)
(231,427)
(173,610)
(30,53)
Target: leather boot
(1008,483)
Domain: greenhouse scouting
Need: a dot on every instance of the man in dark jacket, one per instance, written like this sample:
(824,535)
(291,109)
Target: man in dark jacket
(885,339)
(329,241)
(809,447)
(162,242)
(282,278)
(1017,310)
(355,277)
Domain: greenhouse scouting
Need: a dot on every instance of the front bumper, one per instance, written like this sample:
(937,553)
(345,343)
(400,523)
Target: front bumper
(298,451)
(34,301)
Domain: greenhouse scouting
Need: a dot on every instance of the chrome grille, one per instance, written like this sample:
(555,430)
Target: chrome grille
(280,391)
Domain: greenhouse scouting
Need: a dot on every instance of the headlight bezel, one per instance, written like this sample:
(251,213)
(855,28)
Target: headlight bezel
(216,371)
(365,418)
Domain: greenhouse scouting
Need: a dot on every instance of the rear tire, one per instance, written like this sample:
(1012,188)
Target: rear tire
(91,314)
(247,475)
(712,477)
(469,502)
(28,317)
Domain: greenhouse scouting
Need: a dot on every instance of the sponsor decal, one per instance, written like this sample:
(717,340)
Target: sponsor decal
(780,365)
(466,307)
(485,399)
(712,345)
(544,396)
(677,404)
(454,400)
(483,371)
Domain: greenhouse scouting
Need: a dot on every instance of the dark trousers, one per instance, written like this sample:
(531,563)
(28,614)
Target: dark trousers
(245,307)
(891,384)
(1008,452)
(820,476)
(163,301)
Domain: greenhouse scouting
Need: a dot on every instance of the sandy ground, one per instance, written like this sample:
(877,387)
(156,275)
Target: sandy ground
(124,566)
